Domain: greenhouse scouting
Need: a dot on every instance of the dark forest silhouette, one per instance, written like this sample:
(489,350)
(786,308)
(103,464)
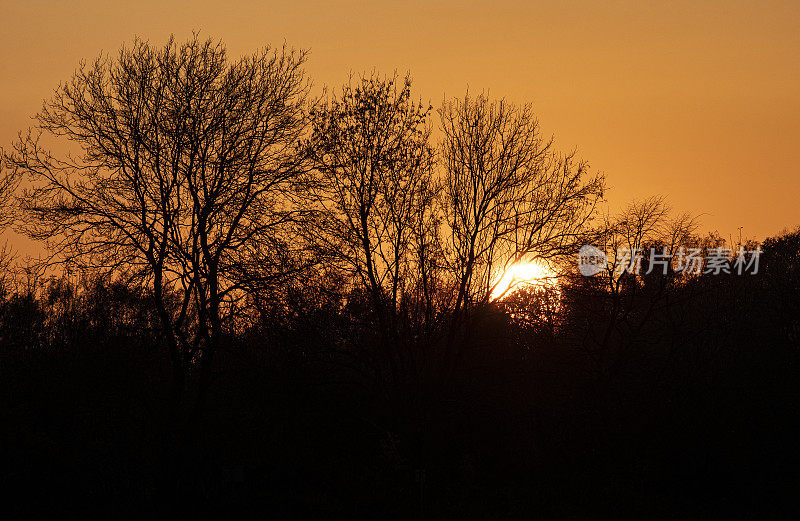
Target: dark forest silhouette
(256,300)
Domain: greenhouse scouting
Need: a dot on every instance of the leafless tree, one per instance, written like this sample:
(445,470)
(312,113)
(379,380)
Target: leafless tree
(627,238)
(9,182)
(643,224)
(508,195)
(374,186)
(184,172)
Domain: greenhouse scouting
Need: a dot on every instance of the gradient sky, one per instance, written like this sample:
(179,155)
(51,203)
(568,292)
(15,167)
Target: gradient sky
(697,101)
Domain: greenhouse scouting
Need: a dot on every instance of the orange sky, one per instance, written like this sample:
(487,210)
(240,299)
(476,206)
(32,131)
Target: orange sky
(698,101)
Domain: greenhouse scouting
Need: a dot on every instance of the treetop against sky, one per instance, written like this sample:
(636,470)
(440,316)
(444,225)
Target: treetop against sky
(694,101)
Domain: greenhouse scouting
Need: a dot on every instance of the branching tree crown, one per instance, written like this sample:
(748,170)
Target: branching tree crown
(374,186)
(508,195)
(187,175)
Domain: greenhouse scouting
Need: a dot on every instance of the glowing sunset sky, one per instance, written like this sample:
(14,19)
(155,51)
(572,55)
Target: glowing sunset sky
(699,101)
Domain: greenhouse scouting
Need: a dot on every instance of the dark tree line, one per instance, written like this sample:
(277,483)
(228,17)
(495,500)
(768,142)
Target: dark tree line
(255,298)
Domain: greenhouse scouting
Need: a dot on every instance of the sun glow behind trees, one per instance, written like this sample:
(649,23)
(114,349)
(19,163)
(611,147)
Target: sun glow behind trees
(523,274)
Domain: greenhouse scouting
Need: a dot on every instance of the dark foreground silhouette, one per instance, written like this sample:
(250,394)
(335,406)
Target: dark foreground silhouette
(685,412)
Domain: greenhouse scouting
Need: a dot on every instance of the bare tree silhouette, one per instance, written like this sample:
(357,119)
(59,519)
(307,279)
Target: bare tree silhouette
(508,195)
(185,175)
(375,189)
(9,182)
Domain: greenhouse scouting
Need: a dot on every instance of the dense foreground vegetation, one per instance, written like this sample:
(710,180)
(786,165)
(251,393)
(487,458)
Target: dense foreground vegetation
(690,409)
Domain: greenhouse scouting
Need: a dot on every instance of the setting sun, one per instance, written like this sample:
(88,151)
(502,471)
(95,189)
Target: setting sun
(521,274)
